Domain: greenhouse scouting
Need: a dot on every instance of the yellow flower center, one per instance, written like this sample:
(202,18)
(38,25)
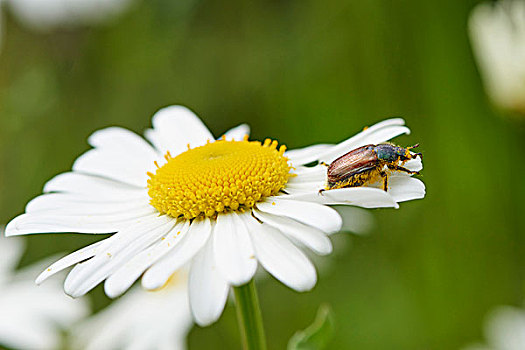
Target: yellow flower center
(219,176)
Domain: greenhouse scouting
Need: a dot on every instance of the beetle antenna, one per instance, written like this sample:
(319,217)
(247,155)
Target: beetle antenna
(415,146)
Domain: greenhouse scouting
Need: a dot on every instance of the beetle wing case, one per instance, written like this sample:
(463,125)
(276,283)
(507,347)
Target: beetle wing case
(354,162)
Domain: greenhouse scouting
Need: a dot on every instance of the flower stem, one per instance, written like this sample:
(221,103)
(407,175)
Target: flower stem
(249,317)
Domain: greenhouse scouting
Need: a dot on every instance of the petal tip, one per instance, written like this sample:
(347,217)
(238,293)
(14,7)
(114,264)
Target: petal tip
(42,277)
(11,229)
(112,291)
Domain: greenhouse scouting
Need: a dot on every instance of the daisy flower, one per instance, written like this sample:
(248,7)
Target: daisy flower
(159,319)
(223,206)
(504,330)
(32,316)
(497,33)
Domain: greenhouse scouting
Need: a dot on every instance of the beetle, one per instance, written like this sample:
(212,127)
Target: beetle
(368,164)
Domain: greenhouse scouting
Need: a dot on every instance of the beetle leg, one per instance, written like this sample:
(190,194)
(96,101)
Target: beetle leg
(323,163)
(321,191)
(385,180)
(400,168)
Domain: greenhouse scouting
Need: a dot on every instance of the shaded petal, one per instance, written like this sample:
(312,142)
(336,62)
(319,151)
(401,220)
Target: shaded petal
(93,186)
(311,214)
(308,154)
(174,128)
(125,275)
(123,141)
(355,219)
(128,243)
(366,197)
(414,164)
(208,289)
(309,236)
(71,259)
(233,249)
(116,165)
(73,204)
(308,179)
(404,188)
(300,188)
(378,133)
(11,251)
(238,133)
(157,275)
(281,258)
(45,222)
(308,174)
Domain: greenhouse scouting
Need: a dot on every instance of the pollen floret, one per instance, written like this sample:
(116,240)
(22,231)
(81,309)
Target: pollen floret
(217,177)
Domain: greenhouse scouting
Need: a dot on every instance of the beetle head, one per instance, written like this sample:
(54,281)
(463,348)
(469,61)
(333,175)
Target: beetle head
(387,152)
(412,156)
(404,154)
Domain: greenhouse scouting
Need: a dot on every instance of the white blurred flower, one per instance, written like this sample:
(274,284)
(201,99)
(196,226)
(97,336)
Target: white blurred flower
(50,14)
(140,319)
(47,14)
(225,206)
(504,330)
(497,33)
(31,317)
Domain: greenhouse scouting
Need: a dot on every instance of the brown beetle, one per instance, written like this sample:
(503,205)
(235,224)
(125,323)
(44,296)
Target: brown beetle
(368,164)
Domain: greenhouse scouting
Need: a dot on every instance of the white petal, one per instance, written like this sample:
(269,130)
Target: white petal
(366,197)
(309,174)
(31,316)
(311,214)
(93,186)
(156,140)
(307,154)
(140,319)
(281,258)
(42,335)
(128,243)
(302,187)
(233,249)
(10,252)
(378,133)
(47,222)
(238,133)
(505,328)
(404,188)
(208,289)
(71,259)
(175,127)
(108,328)
(74,204)
(311,237)
(129,272)
(124,167)
(307,179)
(156,276)
(122,140)
(414,164)
(355,220)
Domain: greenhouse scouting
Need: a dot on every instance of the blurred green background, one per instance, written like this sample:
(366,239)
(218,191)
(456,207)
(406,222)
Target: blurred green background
(302,72)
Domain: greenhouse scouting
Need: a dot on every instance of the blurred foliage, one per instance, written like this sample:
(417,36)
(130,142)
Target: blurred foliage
(316,336)
(302,72)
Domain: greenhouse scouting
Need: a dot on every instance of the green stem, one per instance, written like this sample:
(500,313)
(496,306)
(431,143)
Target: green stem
(249,317)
